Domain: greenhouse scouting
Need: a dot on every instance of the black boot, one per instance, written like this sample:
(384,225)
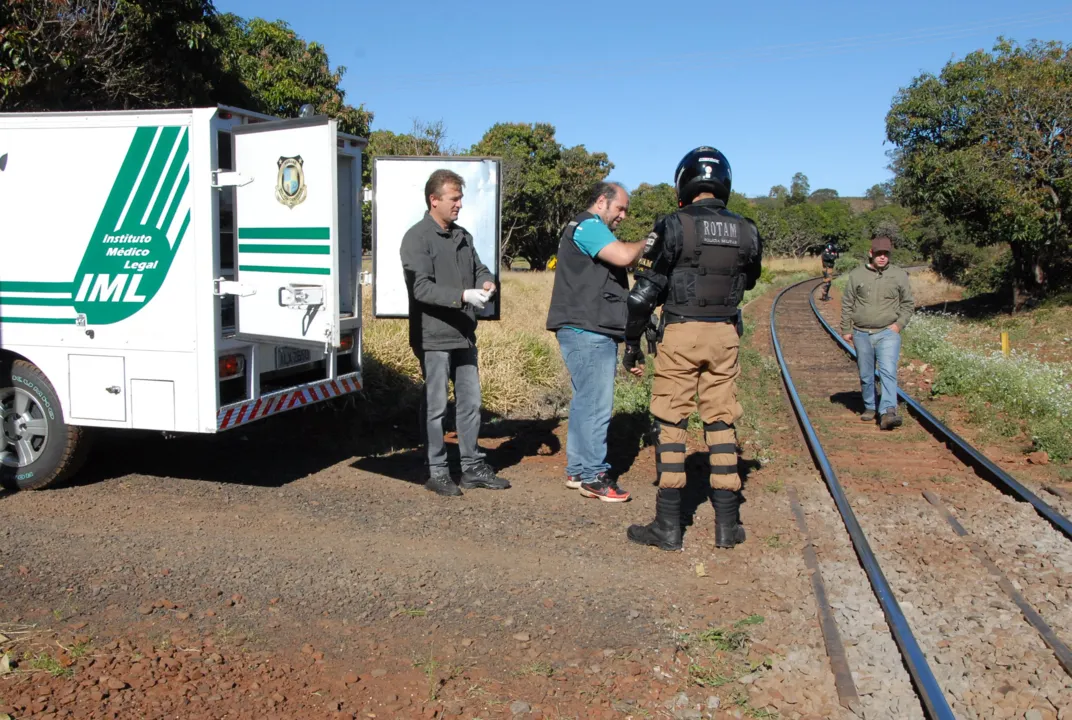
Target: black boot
(728,528)
(665,531)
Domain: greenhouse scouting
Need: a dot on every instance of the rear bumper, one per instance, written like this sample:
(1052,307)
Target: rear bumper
(247,411)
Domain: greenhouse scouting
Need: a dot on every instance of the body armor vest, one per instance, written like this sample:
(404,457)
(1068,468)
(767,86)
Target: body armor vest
(708,281)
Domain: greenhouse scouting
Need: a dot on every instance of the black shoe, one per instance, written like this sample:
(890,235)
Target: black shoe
(482,476)
(441,483)
(825,298)
(728,529)
(664,532)
(890,420)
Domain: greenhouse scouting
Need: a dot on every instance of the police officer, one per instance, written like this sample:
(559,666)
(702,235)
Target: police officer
(829,258)
(702,259)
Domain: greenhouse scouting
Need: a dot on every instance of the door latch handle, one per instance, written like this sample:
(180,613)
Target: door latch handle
(114,389)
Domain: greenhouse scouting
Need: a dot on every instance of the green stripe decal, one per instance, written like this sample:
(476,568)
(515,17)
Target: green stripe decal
(58,302)
(280,269)
(39,287)
(285,249)
(38,321)
(281,233)
(154,170)
(169,185)
(183,182)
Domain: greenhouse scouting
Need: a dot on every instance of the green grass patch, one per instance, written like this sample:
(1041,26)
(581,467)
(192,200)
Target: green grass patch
(1001,392)
(49,664)
(540,669)
(707,677)
(79,649)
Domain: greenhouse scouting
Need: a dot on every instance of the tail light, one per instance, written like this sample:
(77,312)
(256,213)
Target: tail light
(232,366)
(346,343)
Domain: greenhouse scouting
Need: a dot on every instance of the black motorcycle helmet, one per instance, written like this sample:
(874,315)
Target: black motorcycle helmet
(704,169)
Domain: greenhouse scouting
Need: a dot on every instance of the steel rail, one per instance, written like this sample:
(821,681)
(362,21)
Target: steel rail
(979,462)
(930,693)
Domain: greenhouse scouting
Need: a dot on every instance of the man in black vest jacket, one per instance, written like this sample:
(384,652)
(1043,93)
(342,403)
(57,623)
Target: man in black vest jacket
(704,258)
(587,315)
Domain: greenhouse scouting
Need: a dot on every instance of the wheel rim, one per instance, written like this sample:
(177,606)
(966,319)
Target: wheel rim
(25,428)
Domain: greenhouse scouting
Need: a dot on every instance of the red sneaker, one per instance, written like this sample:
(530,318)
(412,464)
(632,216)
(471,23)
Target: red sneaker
(605,489)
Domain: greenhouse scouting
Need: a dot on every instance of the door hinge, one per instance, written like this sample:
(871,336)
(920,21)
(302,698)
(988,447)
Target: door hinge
(230,287)
(366,195)
(365,278)
(227,178)
(301,296)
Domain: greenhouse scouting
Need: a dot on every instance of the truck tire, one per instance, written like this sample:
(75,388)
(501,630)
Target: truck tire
(37,448)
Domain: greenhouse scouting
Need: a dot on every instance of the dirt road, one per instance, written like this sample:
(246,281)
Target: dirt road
(282,572)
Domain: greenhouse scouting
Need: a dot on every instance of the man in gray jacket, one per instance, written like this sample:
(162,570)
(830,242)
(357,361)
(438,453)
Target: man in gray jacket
(875,310)
(447,284)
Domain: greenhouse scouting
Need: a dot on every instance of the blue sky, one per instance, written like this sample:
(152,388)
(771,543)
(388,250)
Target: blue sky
(779,87)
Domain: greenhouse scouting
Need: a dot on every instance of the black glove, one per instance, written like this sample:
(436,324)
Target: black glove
(651,334)
(633,355)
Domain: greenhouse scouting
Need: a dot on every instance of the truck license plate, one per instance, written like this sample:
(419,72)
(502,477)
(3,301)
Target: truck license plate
(289,356)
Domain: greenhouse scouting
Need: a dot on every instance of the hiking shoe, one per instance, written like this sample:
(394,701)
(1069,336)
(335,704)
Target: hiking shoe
(441,483)
(890,420)
(602,487)
(483,476)
(573,482)
(868,416)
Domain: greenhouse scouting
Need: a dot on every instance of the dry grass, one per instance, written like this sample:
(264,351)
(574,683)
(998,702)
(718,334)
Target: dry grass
(521,370)
(930,288)
(791,265)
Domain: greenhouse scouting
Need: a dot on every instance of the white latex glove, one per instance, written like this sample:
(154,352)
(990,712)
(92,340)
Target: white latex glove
(476,298)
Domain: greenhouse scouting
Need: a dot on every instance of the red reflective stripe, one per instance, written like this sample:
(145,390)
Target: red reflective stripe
(338,390)
(293,400)
(265,408)
(279,402)
(226,418)
(256,407)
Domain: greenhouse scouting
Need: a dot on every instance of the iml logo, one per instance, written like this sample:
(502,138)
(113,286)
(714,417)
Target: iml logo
(140,228)
(105,288)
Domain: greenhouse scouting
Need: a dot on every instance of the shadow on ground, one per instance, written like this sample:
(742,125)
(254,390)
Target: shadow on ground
(275,451)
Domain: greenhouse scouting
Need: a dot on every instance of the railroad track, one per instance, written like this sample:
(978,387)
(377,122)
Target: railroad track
(971,569)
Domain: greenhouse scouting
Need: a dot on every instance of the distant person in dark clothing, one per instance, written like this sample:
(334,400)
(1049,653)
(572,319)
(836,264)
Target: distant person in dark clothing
(829,257)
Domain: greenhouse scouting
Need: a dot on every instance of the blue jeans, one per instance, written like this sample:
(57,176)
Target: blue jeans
(884,345)
(591,359)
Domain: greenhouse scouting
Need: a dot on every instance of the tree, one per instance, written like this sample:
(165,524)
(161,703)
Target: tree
(983,145)
(544,185)
(799,189)
(646,204)
(879,194)
(423,139)
(110,55)
(778,192)
(282,72)
(823,195)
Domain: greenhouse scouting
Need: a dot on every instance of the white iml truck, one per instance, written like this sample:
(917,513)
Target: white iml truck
(190,271)
(182,271)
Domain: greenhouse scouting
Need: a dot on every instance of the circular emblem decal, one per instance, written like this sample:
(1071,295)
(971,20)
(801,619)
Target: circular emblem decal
(290,183)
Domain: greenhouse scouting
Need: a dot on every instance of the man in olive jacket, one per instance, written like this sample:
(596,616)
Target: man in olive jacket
(875,309)
(447,285)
